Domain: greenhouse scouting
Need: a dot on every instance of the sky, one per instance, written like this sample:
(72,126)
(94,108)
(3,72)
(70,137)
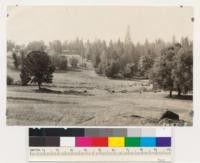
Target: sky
(47,23)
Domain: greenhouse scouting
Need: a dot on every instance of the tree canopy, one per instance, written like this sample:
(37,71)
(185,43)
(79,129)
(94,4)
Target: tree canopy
(37,68)
(173,71)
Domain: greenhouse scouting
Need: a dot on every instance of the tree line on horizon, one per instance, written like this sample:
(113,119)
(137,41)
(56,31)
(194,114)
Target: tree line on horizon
(168,65)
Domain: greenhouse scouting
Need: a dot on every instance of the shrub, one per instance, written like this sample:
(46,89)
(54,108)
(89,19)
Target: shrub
(24,75)
(62,63)
(83,65)
(112,69)
(73,62)
(9,80)
(55,60)
(15,60)
(129,70)
(100,69)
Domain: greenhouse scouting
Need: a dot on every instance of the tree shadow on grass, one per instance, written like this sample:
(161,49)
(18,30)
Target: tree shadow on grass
(74,69)
(77,69)
(39,100)
(182,97)
(46,90)
(68,92)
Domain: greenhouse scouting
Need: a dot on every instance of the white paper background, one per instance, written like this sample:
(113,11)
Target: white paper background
(13,140)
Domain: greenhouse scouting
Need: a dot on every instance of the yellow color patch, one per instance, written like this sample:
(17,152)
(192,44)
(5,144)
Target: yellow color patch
(115,141)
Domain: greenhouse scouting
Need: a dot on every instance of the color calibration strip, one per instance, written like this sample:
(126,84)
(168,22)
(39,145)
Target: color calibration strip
(98,137)
(100,144)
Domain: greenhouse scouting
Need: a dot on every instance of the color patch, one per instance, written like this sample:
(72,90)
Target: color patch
(36,141)
(147,142)
(67,141)
(132,142)
(115,141)
(83,142)
(148,132)
(64,132)
(163,132)
(163,142)
(51,141)
(106,132)
(100,142)
(119,132)
(54,132)
(36,132)
(134,132)
(90,132)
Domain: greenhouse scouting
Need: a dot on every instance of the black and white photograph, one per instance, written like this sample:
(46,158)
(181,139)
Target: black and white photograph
(99,65)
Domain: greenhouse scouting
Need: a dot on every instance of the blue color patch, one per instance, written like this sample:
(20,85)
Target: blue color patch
(147,142)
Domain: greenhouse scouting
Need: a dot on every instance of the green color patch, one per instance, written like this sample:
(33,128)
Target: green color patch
(132,141)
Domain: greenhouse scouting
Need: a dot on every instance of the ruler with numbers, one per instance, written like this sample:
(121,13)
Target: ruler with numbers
(97,144)
(99,154)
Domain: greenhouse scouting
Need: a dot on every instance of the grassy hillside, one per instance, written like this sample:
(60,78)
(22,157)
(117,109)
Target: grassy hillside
(84,98)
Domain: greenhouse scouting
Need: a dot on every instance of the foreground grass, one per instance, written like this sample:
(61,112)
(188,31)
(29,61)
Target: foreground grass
(88,99)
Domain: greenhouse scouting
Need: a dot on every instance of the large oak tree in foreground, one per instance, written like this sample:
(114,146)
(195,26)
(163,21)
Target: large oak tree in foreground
(37,68)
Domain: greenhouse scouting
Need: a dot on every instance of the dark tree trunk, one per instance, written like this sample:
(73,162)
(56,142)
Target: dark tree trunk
(170,93)
(39,85)
(179,92)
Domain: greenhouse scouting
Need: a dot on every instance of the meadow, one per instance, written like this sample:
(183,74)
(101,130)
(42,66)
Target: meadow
(82,97)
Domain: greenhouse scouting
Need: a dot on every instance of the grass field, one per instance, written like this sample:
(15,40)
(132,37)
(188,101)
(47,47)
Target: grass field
(84,98)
